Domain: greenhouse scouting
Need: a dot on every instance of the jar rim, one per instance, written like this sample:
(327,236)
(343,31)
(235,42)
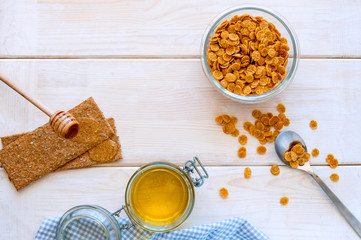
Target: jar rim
(67,218)
(187,211)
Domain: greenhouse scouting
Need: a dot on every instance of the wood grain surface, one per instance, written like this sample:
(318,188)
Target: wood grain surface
(309,214)
(153,28)
(140,61)
(165,109)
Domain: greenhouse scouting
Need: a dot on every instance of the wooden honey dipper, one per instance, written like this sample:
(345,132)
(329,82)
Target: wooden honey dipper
(63,123)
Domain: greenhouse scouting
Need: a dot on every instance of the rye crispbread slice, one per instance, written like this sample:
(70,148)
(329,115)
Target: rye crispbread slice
(83,160)
(42,151)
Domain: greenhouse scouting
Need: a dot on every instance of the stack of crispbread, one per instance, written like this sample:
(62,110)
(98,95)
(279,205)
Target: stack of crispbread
(29,156)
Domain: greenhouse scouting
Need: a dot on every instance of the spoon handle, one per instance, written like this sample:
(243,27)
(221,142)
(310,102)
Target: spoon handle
(350,218)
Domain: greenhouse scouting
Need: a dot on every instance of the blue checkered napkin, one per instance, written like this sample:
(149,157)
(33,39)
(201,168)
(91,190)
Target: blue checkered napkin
(229,229)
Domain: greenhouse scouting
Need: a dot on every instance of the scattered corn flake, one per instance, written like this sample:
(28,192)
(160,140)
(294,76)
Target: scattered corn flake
(274,120)
(247,125)
(282,116)
(268,133)
(333,163)
(259,125)
(235,133)
(265,120)
(275,170)
(247,172)
(281,108)
(329,157)
(261,150)
(284,201)
(226,129)
(220,120)
(243,139)
(263,142)
(275,134)
(242,152)
(315,152)
(334,177)
(226,118)
(278,125)
(286,122)
(234,120)
(261,136)
(270,139)
(223,192)
(267,128)
(256,113)
(313,124)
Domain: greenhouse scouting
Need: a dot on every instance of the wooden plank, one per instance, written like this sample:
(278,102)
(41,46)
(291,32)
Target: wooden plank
(129,28)
(309,214)
(165,109)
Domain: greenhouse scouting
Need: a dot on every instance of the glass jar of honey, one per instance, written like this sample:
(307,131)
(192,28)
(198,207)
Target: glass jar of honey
(159,197)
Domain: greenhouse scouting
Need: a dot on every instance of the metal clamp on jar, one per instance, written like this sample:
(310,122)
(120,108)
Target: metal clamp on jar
(159,197)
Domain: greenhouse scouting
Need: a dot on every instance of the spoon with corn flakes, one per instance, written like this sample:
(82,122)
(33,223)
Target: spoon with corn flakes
(292,150)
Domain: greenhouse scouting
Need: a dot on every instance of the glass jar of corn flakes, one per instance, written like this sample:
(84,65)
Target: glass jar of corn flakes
(159,197)
(287,33)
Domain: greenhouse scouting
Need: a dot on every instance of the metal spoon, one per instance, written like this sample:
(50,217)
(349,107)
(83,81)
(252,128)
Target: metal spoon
(283,142)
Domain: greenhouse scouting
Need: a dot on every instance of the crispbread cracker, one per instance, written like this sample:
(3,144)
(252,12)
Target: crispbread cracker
(9,139)
(82,161)
(42,151)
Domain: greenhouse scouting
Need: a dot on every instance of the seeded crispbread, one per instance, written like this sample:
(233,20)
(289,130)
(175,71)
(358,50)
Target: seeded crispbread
(42,151)
(84,160)
(9,139)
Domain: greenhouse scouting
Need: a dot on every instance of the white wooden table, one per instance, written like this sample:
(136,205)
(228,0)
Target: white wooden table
(140,61)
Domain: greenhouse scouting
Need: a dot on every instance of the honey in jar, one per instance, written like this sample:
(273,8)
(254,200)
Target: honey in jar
(160,196)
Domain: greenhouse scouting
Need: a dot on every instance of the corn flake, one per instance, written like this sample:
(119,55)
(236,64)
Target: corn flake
(243,139)
(256,114)
(223,192)
(226,118)
(294,164)
(263,142)
(261,150)
(313,124)
(284,201)
(274,120)
(247,125)
(329,157)
(234,120)
(286,122)
(315,152)
(220,120)
(235,133)
(247,173)
(218,75)
(242,152)
(334,177)
(275,170)
(333,163)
